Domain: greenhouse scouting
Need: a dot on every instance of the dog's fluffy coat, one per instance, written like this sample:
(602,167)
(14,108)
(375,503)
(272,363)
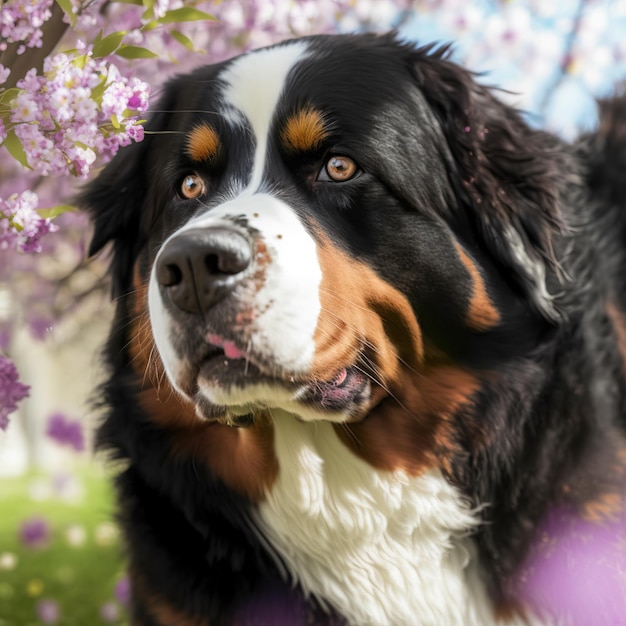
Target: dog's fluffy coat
(370,329)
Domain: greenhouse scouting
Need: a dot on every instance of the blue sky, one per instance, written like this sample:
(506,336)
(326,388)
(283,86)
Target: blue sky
(520,44)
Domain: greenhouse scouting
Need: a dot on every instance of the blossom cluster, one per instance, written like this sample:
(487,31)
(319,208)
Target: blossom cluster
(21,226)
(33,572)
(79,109)
(66,432)
(21,21)
(11,390)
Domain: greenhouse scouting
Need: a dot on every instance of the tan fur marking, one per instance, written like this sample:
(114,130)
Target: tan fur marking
(159,608)
(606,507)
(362,312)
(510,609)
(243,458)
(203,143)
(167,615)
(408,426)
(304,131)
(412,429)
(482,314)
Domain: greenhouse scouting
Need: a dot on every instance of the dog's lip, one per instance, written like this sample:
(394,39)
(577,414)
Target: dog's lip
(226,364)
(348,384)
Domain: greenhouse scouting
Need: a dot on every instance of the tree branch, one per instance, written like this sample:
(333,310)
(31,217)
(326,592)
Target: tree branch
(53,30)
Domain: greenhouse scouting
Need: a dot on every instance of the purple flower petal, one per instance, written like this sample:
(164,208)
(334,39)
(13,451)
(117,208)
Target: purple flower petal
(48,611)
(11,390)
(35,532)
(66,432)
(122,591)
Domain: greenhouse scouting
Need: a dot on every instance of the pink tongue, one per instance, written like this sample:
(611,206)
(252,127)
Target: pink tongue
(340,378)
(230,349)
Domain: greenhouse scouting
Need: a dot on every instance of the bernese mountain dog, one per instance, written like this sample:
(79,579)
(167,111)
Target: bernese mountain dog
(370,332)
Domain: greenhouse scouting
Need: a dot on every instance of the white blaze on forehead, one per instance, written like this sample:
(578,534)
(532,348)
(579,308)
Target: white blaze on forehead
(254,85)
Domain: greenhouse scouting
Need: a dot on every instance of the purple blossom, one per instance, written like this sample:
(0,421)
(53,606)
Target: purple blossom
(35,532)
(48,611)
(21,20)
(62,123)
(66,432)
(122,591)
(11,390)
(21,227)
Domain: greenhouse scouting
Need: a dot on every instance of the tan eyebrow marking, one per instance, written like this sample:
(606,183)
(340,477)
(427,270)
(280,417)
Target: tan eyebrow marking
(482,314)
(304,131)
(203,143)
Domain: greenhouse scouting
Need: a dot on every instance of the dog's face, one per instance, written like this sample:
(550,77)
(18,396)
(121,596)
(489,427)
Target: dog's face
(326,224)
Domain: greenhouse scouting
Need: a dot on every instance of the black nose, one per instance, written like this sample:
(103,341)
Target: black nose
(199,267)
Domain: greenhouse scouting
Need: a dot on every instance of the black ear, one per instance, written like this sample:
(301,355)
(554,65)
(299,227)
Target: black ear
(114,200)
(508,176)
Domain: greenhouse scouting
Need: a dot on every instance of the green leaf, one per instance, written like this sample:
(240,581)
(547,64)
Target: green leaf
(150,26)
(135,52)
(98,91)
(183,40)
(66,5)
(8,94)
(15,148)
(115,121)
(108,45)
(80,61)
(148,14)
(186,14)
(55,211)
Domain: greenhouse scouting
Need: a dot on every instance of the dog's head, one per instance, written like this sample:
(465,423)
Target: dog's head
(327,226)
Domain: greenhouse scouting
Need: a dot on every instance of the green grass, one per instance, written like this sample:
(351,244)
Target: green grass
(80,564)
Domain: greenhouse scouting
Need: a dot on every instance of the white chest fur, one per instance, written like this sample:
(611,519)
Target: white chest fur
(383,548)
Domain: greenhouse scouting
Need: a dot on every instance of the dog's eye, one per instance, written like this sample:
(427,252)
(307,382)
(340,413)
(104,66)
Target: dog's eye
(191,187)
(339,169)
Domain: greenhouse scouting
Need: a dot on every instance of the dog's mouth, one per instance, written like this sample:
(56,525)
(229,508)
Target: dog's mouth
(232,383)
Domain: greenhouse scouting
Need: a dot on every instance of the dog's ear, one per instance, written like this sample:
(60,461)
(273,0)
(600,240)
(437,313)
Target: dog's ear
(506,174)
(119,198)
(114,200)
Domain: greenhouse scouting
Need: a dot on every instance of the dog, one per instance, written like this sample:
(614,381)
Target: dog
(370,331)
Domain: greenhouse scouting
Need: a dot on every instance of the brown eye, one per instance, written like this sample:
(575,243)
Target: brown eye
(341,168)
(192,187)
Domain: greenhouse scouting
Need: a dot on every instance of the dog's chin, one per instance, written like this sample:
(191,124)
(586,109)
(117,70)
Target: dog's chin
(237,392)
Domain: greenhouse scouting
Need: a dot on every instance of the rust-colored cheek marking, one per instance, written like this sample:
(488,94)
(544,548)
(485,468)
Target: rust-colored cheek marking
(203,143)
(361,313)
(243,459)
(413,428)
(482,314)
(410,425)
(606,507)
(304,131)
(158,607)
(167,615)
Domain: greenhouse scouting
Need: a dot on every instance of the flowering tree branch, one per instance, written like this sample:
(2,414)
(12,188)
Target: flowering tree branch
(52,33)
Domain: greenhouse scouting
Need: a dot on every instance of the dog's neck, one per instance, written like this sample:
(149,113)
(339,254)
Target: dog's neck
(337,523)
